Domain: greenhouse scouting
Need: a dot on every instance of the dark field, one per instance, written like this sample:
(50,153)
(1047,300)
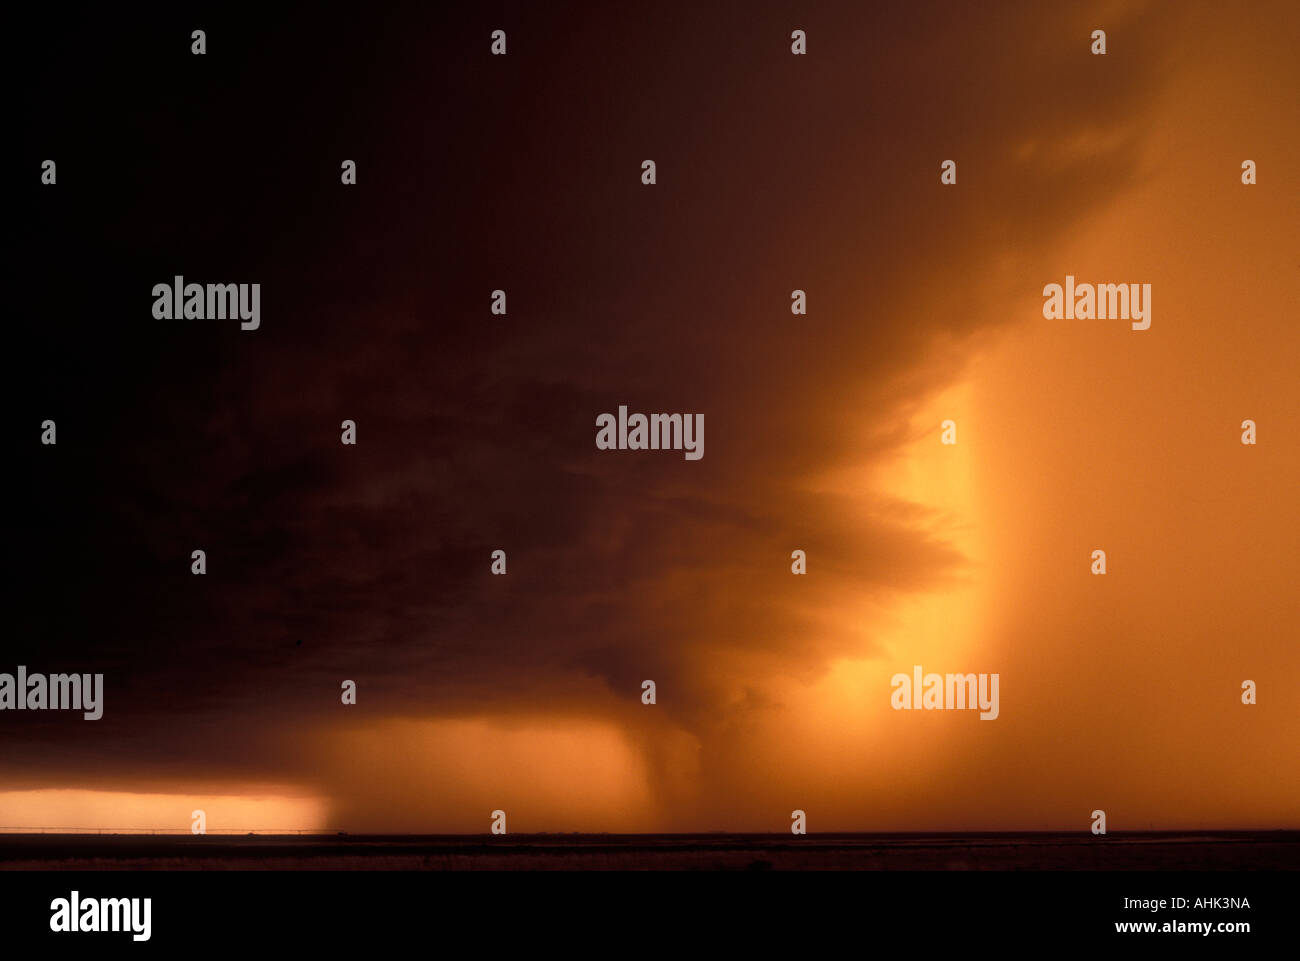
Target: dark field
(1210,851)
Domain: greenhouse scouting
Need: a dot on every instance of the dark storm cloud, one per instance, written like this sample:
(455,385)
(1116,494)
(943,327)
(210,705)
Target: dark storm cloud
(477,432)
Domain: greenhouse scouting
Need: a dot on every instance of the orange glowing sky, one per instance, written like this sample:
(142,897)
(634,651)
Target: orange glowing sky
(1118,692)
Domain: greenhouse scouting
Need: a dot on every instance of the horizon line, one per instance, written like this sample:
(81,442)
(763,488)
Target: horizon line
(55,830)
